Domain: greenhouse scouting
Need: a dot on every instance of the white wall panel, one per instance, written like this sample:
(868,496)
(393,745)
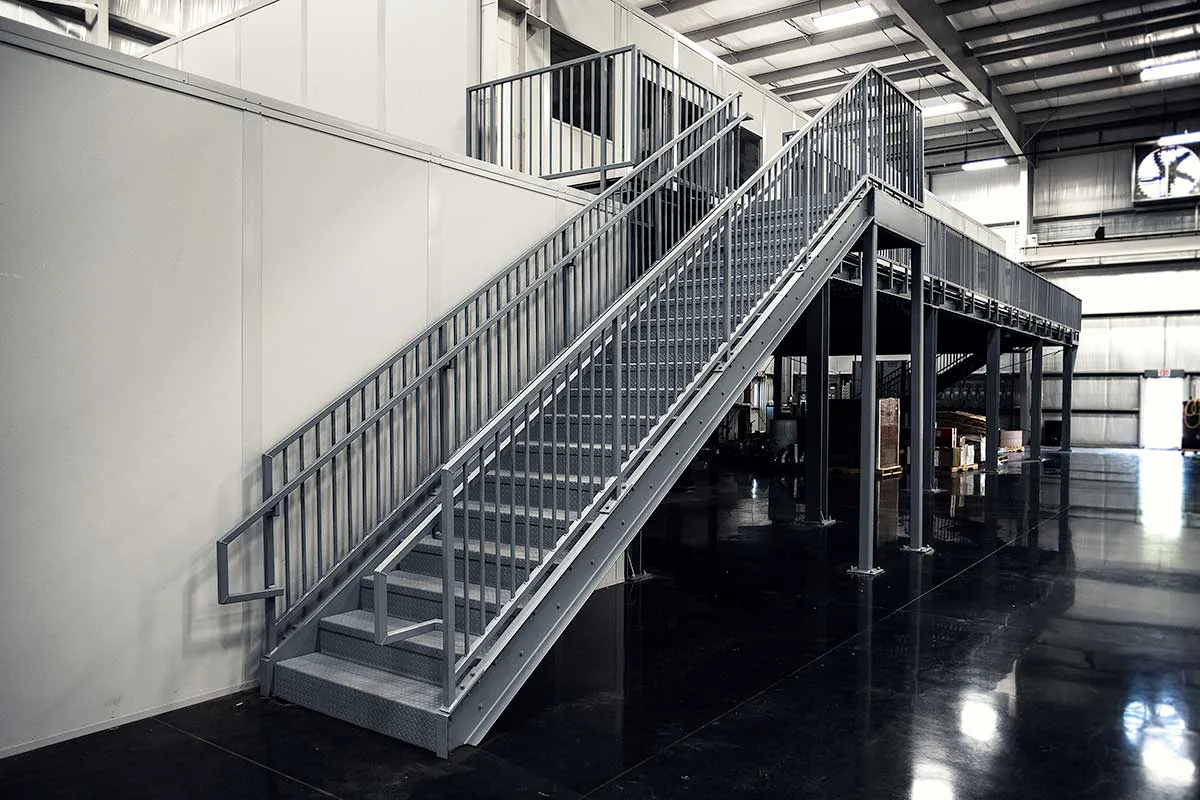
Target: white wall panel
(991,196)
(1106,293)
(459,204)
(151,355)
(272,48)
(1183,343)
(340,298)
(656,42)
(429,67)
(593,22)
(213,55)
(696,65)
(1083,184)
(343,60)
(120,407)
(1136,344)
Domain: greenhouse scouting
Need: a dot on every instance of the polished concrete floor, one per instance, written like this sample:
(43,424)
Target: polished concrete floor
(1050,648)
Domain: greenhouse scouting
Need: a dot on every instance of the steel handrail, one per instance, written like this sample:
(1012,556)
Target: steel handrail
(689,240)
(718,221)
(405,392)
(630,48)
(683,149)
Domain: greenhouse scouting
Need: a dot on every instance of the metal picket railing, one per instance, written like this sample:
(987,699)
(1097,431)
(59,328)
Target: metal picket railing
(362,465)
(601,398)
(587,117)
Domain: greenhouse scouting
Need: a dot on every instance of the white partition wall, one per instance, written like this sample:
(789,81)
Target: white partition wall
(185,275)
(402,67)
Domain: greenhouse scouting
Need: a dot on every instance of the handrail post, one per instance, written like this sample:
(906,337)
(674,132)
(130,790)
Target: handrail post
(444,410)
(268,554)
(618,363)
(729,285)
(448,598)
(605,100)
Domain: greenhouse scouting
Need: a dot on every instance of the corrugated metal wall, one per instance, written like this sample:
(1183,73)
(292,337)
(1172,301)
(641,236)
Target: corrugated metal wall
(1083,184)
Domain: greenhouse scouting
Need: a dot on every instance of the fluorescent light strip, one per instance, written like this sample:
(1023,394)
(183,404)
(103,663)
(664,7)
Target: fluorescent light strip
(990,163)
(1176,70)
(840,19)
(942,109)
(1179,138)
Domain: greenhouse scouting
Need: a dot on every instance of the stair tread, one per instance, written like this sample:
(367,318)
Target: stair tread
(548,514)
(360,624)
(509,474)
(387,686)
(432,584)
(431,543)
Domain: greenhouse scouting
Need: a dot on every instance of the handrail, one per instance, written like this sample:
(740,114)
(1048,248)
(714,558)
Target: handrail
(689,240)
(629,48)
(845,141)
(556,286)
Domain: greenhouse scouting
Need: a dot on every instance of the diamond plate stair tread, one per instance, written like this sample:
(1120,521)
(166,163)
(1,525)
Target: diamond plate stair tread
(433,545)
(415,583)
(361,625)
(395,705)
(557,515)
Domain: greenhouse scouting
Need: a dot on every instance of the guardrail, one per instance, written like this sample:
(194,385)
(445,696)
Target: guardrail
(790,202)
(362,465)
(585,117)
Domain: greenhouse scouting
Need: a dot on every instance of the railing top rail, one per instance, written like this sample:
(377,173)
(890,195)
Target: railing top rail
(549,374)
(554,67)
(464,304)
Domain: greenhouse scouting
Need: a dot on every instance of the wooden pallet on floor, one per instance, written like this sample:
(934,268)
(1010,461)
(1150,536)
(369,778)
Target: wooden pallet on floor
(960,468)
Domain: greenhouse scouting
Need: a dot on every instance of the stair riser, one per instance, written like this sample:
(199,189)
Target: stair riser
(424,665)
(421,607)
(431,564)
(414,725)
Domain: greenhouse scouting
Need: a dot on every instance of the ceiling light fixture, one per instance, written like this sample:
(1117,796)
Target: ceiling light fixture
(1175,70)
(1179,138)
(840,19)
(988,163)
(942,109)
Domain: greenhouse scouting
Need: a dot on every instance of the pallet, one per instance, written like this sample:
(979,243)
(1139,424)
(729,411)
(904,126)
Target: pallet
(961,468)
(1020,449)
(884,472)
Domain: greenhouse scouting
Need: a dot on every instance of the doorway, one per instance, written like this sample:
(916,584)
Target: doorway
(1160,425)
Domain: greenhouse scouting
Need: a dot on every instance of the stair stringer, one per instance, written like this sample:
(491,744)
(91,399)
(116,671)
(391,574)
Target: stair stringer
(531,634)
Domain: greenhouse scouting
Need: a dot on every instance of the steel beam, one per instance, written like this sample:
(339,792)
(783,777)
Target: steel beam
(781,14)
(930,25)
(919,372)
(902,71)
(816,414)
(1084,10)
(949,91)
(809,40)
(1035,400)
(664,7)
(1098,62)
(991,401)
(1081,35)
(869,410)
(852,61)
(1068,380)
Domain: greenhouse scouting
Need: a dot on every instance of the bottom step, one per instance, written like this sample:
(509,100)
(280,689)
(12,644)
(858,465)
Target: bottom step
(391,704)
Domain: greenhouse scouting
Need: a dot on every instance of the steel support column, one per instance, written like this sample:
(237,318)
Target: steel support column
(1068,378)
(931,393)
(991,402)
(868,418)
(919,370)
(1035,400)
(777,383)
(816,415)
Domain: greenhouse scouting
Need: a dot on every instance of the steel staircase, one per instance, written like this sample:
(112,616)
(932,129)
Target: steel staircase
(490,555)
(950,369)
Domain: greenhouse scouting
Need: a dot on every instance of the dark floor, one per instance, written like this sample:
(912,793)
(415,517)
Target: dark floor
(1050,648)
